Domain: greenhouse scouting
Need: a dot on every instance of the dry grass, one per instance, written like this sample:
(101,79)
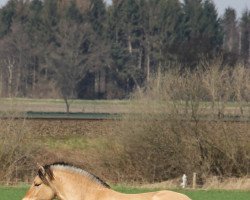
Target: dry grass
(227,183)
(212,183)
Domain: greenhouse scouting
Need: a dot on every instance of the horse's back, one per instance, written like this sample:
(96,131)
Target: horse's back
(161,195)
(169,195)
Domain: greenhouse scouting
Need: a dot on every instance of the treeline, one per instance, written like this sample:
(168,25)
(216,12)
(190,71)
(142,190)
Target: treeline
(87,49)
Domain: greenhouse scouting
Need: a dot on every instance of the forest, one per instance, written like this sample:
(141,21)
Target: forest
(91,50)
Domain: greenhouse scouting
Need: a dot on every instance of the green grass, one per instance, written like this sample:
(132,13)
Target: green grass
(12,193)
(16,193)
(58,105)
(61,101)
(218,195)
(74,142)
(197,194)
(125,103)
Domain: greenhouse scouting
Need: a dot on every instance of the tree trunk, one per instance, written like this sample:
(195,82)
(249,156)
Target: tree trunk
(148,67)
(10,66)
(147,60)
(34,80)
(140,60)
(129,44)
(67,104)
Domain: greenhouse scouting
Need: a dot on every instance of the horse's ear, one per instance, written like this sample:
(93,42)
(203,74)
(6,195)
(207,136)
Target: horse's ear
(41,169)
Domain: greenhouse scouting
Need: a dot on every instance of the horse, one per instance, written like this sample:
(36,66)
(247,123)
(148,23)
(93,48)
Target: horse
(67,182)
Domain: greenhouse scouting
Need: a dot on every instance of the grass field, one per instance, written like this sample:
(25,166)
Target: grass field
(58,105)
(16,193)
(100,106)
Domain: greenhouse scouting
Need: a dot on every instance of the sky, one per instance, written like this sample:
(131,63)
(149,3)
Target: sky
(238,5)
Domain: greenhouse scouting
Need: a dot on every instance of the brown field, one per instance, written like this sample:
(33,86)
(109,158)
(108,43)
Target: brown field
(90,128)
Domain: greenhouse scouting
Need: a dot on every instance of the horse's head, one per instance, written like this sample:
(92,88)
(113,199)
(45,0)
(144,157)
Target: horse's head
(41,187)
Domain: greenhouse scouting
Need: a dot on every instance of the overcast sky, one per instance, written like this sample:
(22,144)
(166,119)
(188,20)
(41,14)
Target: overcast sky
(238,5)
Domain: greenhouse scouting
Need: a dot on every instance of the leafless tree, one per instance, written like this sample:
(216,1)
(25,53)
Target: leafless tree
(68,59)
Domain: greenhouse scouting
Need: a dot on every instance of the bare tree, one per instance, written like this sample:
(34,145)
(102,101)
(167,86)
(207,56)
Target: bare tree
(68,57)
(16,62)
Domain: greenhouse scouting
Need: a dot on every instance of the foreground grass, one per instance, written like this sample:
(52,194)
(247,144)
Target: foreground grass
(12,193)
(197,194)
(16,193)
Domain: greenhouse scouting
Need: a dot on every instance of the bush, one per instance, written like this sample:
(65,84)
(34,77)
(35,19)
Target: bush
(177,125)
(17,148)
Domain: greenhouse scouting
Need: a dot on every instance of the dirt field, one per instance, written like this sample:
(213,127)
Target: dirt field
(66,127)
(60,127)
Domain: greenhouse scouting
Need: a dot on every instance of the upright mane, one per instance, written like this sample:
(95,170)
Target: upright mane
(74,169)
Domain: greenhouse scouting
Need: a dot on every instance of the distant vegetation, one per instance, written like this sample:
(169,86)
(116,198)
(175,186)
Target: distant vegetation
(86,49)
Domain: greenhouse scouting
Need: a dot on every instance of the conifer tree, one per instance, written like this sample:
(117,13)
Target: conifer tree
(6,17)
(97,16)
(201,31)
(170,22)
(245,37)
(230,36)
(73,13)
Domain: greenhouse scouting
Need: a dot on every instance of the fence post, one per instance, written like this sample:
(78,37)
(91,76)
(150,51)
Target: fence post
(194,180)
(16,173)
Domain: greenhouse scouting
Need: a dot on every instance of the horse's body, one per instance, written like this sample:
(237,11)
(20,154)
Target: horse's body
(70,183)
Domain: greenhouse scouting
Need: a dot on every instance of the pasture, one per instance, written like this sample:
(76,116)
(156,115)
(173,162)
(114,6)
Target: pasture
(16,193)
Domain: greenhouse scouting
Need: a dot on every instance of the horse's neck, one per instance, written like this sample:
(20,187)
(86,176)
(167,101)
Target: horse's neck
(70,186)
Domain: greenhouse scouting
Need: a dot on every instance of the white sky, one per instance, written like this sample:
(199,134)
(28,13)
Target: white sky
(238,5)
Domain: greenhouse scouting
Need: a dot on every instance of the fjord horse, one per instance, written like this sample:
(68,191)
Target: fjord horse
(66,182)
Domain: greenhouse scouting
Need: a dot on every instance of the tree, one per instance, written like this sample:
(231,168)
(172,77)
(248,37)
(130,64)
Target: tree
(230,36)
(212,36)
(97,16)
(73,13)
(68,56)
(170,20)
(6,16)
(201,31)
(125,28)
(16,62)
(51,13)
(245,37)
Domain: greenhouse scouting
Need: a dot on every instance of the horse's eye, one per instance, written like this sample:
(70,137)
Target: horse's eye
(37,184)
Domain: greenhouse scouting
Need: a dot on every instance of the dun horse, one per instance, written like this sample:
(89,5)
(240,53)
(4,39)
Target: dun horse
(67,182)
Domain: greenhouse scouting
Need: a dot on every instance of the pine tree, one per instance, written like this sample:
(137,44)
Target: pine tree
(51,15)
(201,31)
(230,36)
(169,36)
(245,37)
(73,13)
(211,28)
(7,14)
(125,31)
(97,16)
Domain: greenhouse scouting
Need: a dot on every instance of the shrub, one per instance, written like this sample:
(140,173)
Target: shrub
(177,125)
(17,148)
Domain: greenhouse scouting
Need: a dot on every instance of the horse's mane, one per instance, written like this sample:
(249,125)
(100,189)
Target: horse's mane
(72,168)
